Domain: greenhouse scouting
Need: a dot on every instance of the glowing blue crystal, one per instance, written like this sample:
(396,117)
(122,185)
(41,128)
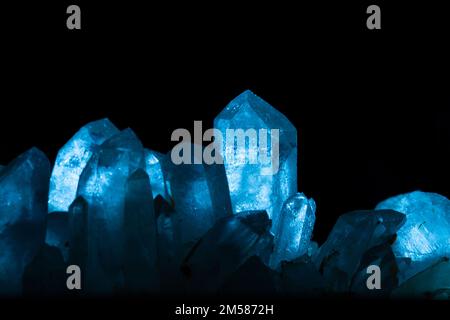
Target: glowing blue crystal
(154,170)
(23,210)
(425,237)
(200,197)
(71,160)
(255,183)
(354,233)
(103,185)
(294,230)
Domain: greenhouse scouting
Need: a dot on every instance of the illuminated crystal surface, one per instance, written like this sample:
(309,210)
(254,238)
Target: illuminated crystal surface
(258,177)
(294,229)
(225,247)
(71,160)
(353,234)
(103,185)
(200,197)
(425,237)
(23,210)
(154,170)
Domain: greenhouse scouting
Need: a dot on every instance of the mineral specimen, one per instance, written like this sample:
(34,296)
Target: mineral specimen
(200,197)
(425,237)
(71,160)
(255,183)
(294,229)
(140,248)
(431,283)
(353,234)
(23,209)
(103,184)
(225,247)
(154,170)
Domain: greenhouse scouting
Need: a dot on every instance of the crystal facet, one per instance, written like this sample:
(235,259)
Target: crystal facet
(103,185)
(154,170)
(200,197)
(225,247)
(295,229)
(353,234)
(23,209)
(251,187)
(425,237)
(71,160)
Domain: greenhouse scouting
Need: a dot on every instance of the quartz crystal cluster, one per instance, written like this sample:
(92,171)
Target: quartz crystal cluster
(137,223)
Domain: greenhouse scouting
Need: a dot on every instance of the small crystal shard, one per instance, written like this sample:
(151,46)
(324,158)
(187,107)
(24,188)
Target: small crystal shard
(225,247)
(294,230)
(154,170)
(23,210)
(353,234)
(71,160)
(425,237)
(78,236)
(200,197)
(255,183)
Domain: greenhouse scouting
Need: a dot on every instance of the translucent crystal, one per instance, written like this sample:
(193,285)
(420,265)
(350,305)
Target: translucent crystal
(71,160)
(353,234)
(23,210)
(431,283)
(225,247)
(103,185)
(425,237)
(154,170)
(294,230)
(140,254)
(78,237)
(258,185)
(200,197)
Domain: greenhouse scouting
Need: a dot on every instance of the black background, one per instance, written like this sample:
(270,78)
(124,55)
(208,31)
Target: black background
(371,106)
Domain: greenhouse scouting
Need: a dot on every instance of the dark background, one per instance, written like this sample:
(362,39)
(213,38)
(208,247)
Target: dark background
(371,106)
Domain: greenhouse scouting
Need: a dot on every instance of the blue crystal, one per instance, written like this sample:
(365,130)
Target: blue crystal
(78,238)
(200,197)
(225,247)
(251,187)
(153,167)
(140,266)
(103,185)
(431,283)
(71,160)
(294,229)
(351,237)
(23,210)
(425,237)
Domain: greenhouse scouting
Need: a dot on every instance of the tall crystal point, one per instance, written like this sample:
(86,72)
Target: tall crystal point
(200,197)
(103,185)
(294,230)
(260,162)
(23,210)
(425,237)
(71,160)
